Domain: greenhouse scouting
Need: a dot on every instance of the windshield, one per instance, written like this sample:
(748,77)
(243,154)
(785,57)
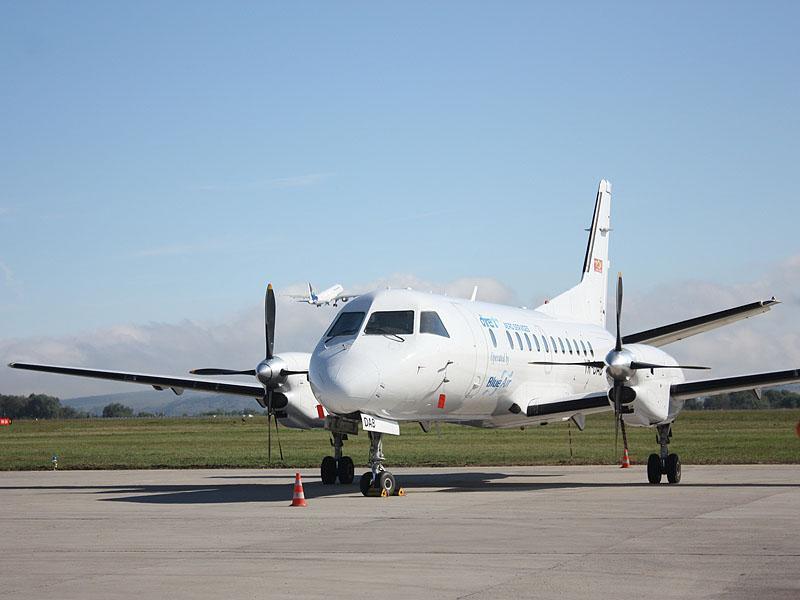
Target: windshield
(390,322)
(348,323)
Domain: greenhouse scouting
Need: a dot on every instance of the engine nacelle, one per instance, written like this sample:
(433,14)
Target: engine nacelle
(651,404)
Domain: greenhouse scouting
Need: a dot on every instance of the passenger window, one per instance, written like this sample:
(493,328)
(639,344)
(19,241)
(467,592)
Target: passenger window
(510,339)
(553,343)
(583,347)
(348,323)
(575,343)
(546,347)
(561,343)
(569,345)
(429,322)
(528,341)
(519,340)
(494,339)
(391,322)
(588,343)
(536,341)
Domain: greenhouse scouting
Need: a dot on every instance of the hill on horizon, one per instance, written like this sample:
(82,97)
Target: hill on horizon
(189,403)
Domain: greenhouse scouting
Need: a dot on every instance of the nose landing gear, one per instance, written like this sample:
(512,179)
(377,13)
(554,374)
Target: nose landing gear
(378,481)
(664,463)
(337,466)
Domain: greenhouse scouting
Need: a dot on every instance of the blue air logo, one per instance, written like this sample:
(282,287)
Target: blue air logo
(503,381)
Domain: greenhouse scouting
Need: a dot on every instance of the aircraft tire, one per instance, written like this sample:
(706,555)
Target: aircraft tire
(673,468)
(346,470)
(654,468)
(328,470)
(365,482)
(387,483)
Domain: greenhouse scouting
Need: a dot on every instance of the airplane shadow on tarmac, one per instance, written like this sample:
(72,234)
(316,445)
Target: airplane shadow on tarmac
(281,489)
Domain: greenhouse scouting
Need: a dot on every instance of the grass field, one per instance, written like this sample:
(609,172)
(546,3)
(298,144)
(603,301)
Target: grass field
(712,437)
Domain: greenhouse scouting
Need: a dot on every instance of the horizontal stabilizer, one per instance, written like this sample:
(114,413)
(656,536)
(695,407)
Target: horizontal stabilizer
(739,383)
(159,382)
(661,336)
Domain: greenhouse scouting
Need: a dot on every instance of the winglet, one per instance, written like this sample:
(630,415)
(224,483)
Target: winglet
(474,294)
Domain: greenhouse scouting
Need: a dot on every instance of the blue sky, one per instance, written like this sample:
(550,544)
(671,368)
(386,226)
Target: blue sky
(162,161)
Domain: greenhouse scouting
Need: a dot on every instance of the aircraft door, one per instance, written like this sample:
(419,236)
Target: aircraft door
(479,347)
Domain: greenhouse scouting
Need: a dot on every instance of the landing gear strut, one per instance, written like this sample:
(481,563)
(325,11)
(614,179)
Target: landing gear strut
(377,481)
(664,463)
(337,465)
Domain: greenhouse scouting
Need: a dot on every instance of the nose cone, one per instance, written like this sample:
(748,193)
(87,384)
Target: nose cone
(343,383)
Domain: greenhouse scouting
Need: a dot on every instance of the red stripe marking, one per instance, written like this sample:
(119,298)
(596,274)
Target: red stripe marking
(320,411)
(441,400)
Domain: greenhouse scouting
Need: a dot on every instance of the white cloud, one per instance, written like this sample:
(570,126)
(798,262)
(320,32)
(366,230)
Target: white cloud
(764,343)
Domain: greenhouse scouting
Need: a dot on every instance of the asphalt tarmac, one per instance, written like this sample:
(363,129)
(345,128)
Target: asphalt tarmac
(482,532)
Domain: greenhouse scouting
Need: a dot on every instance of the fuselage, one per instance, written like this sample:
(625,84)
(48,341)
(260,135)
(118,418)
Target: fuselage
(407,355)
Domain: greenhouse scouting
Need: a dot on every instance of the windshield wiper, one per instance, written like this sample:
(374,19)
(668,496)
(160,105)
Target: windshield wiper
(381,331)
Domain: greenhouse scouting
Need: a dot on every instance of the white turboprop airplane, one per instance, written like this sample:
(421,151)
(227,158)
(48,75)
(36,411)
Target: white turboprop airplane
(395,356)
(332,295)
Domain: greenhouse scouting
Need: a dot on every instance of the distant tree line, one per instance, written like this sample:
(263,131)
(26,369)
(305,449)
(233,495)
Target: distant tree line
(41,406)
(37,406)
(746,401)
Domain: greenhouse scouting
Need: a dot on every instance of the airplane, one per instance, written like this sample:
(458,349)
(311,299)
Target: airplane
(332,295)
(398,355)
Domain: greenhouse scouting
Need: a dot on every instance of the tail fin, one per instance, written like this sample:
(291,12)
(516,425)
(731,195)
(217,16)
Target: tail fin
(311,296)
(587,301)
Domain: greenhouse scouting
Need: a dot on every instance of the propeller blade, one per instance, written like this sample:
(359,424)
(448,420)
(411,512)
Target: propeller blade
(278,437)
(285,372)
(269,426)
(617,393)
(598,364)
(618,346)
(635,364)
(269,320)
(213,371)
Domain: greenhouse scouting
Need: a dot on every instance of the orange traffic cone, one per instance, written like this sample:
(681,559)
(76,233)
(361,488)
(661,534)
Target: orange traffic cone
(299,498)
(626,461)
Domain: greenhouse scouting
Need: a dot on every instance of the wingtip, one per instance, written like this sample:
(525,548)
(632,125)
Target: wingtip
(12,365)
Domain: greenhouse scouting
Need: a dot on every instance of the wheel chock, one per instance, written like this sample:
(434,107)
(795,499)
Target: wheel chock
(376,493)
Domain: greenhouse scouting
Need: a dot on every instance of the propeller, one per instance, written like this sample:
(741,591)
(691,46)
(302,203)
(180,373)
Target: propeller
(620,367)
(270,372)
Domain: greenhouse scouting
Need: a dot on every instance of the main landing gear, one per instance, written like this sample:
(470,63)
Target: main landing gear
(664,463)
(337,466)
(378,481)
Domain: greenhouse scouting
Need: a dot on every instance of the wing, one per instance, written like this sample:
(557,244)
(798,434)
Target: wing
(661,336)
(159,382)
(712,387)
(344,297)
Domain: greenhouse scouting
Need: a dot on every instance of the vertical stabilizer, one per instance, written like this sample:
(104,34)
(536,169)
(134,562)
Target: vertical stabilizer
(587,301)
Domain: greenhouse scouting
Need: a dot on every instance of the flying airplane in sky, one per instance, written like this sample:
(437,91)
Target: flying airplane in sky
(332,295)
(394,356)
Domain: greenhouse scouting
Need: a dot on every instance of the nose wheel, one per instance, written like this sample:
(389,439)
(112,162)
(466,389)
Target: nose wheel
(337,466)
(664,463)
(378,481)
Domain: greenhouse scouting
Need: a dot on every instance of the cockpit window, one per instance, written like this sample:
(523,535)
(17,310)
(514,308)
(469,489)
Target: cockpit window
(429,322)
(390,322)
(348,323)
